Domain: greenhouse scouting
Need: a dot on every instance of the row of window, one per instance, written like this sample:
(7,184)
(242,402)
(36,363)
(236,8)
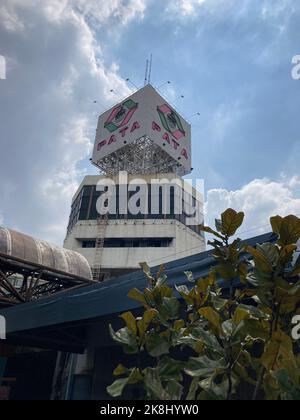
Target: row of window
(131,243)
(84,208)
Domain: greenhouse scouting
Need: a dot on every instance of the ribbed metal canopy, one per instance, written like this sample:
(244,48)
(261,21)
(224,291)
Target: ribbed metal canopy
(31,250)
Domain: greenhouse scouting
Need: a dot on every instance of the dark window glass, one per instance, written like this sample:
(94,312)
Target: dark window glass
(88,244)
(131,243)
(84,208)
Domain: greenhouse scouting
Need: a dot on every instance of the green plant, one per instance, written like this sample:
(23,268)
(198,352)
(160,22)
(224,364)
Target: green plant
(229,343)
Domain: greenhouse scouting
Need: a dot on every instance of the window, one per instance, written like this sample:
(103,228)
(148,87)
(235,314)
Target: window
(88,244)
(131,243)
(84,208)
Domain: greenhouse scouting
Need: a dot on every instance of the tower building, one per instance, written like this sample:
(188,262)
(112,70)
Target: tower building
(138,208)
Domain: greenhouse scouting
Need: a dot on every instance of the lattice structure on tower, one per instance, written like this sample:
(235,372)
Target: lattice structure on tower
(142,156)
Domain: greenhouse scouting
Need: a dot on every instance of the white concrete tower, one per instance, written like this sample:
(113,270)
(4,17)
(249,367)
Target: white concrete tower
(139,208)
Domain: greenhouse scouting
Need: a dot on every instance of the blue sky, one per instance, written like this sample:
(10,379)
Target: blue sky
(231,59)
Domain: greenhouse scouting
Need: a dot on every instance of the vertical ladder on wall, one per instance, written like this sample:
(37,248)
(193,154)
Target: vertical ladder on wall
(102,223)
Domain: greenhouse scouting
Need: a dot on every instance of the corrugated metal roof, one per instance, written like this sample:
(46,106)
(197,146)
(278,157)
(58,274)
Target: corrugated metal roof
(32,250)
(104,299)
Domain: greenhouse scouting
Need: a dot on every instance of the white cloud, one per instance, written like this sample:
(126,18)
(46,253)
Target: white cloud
(94,11)
(187,7)
(10,20)
(260,199)
(47,114)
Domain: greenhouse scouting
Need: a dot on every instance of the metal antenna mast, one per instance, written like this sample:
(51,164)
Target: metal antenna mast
(150,69)
(146,73)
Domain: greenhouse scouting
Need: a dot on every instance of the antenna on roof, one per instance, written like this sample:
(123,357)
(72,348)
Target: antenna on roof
(146,73)
(150,69)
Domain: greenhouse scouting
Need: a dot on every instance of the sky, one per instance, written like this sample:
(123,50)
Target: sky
(230,59)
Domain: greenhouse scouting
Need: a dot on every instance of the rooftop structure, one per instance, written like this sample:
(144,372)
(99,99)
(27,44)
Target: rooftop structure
(143,135)
(145,138)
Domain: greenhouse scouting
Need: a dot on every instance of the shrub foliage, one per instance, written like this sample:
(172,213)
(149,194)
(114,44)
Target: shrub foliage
(223,337)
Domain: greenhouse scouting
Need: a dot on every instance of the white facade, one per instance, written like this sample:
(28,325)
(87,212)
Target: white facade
(184,242)
(155,240)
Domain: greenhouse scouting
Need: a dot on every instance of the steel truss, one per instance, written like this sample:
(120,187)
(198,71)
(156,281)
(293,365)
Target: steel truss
(143,156)
(22,281)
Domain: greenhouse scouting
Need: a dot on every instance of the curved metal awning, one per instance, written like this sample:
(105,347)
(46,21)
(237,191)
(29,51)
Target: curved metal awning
(31,268)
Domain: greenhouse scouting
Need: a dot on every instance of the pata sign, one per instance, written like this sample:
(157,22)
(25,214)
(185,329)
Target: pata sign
(145,114)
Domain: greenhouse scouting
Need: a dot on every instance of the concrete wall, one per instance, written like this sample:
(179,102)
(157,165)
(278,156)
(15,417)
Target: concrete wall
(185,242)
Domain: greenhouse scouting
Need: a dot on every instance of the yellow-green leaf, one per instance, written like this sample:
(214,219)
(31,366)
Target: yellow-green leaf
(130,321)
(178,324)
(144,323)
(240,315)
(276,223)
(135,376)
(137,295)
(212,316)
(260,259)
(278,351)
(120,370)
(231,221)
(288,228)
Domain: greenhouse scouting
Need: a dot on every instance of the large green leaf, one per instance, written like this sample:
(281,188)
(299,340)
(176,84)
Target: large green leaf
(137,295)
(170,368)
(191,396)
(296,268)
(276,223)
(278,352)
(126,338)
(288,228)
(156,345)
(130,321)
(260,259)
(257,329)
(171,307)
(134,376)
(203,367)
(211,316)
(208,339)
(146,320)
(146,269)
(217,392)
(174,389)
(116,389)
(231,221)
(270,251)
(154,386)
